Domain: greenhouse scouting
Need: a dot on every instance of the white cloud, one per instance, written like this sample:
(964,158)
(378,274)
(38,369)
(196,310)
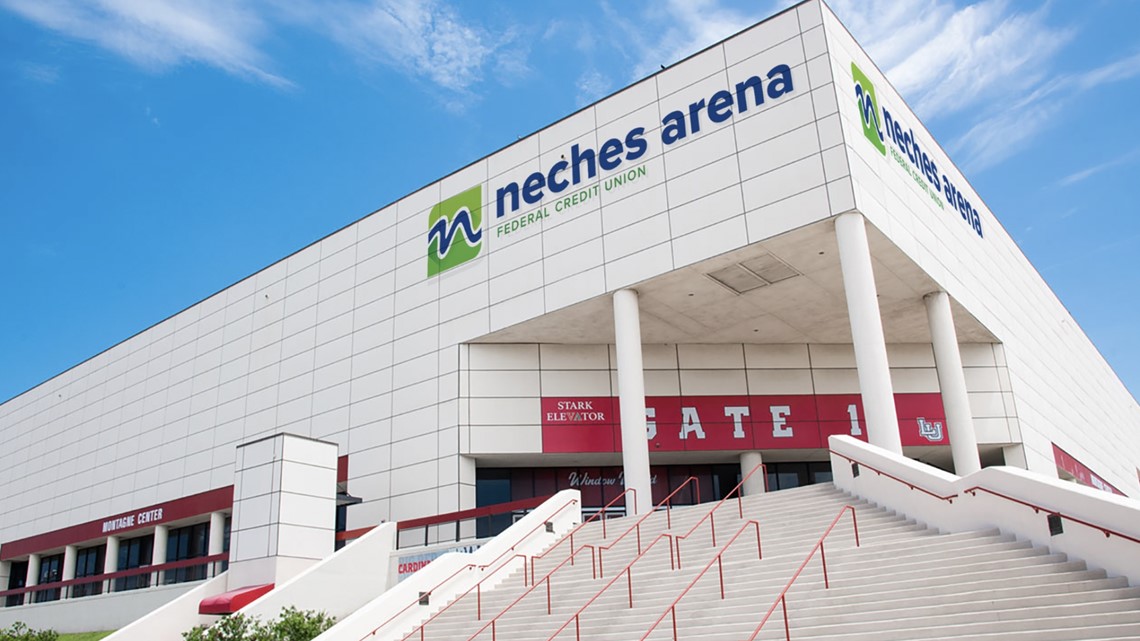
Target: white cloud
(992,64)
(592,85)
(421,38)
(1009,127)
(1088,172)
(41,73)
(159,34)
(670,31)
(424,39)
(946,59)
(1115,71)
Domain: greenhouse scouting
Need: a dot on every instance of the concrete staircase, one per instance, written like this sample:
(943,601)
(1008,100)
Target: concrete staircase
(904,582)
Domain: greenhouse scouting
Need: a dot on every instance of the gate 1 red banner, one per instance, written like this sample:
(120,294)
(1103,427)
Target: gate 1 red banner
(701,423)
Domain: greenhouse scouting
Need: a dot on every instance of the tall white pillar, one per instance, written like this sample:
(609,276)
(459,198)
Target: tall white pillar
(33,573)
(111,561)
(631,396)
(67,573)
(5,574)
(217,541)
(284,509)
(755,484)
(158,552)
(952,383)
(867,333)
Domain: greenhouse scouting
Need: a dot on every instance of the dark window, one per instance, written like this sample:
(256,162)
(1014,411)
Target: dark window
(820,472)
(17,578)
(89,562)
(341,524)
(184,543)
(599,485)
(134,553)
(51,571)
(494,486)
(725,480)
(784,476)
(226,546)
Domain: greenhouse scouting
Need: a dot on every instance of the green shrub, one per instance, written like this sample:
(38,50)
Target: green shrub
(295,625)
(236,627)
(291,625)
(21,632)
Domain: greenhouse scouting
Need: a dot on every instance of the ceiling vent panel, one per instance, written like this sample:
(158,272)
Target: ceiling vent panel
(737,278)
(769,268)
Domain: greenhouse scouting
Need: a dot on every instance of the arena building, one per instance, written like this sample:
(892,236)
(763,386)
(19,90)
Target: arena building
(721,264)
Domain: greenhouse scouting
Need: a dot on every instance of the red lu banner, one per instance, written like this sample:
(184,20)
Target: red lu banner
(701,423)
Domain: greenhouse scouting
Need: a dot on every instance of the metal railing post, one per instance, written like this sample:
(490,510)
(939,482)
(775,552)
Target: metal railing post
(787,629)
(823,559)
(720,569)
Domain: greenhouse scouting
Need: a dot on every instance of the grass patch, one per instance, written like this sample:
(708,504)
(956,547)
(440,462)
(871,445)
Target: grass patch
(84,636)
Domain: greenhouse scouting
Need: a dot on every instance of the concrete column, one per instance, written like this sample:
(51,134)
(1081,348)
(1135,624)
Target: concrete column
(754,485)
(5,574)
(217,542)
(158,552)
(952,383)
(110,561)
(284,510)
(631,395)
(867,333)
(33,573)
(67,573)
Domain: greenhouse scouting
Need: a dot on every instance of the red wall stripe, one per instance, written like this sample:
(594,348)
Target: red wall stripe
(186,507)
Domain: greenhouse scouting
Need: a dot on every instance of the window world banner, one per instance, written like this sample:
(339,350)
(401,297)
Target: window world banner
(703,423)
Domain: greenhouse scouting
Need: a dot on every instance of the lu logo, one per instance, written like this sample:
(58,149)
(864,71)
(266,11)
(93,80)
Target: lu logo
(930,430)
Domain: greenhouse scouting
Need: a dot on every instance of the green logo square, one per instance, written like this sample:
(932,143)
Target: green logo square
(455,231)
(868,109)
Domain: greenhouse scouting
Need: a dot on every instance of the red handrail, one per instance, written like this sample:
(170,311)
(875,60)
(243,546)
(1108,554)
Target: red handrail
(628,571)
(533,586)
(473,513)
(672,609)
(949,499)
(667,501)
(1108,532)
(570,536)
(1037,509)
(640,552)
(595,552)
(782,598)
(110,576)
(711,513)
(479,599)
(451,517)
(471,566)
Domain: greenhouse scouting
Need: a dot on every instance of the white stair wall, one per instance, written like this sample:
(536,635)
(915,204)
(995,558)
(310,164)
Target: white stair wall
(1118,556)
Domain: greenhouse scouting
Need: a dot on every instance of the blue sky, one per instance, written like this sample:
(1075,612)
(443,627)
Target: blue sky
(153,152)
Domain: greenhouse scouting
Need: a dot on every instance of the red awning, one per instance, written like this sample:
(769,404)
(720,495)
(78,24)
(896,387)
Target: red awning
(232,601)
